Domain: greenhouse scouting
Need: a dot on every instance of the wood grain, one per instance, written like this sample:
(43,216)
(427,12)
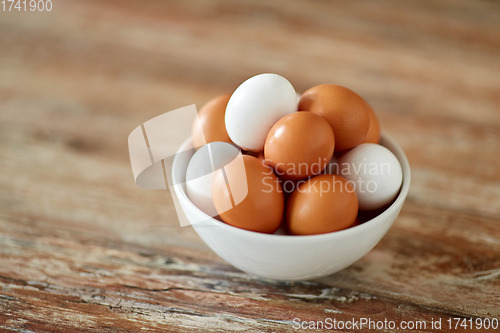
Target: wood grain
(84,249)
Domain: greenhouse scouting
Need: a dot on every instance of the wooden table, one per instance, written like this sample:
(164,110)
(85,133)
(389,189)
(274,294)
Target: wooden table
(83,249)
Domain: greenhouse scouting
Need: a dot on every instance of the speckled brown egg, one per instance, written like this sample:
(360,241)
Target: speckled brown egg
(345,111)
(321,204)
(211,122)
(299,145)
(263,206)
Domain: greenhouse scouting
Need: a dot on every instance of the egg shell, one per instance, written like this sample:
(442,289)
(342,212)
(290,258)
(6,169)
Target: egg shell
(255,106)
(373,134)
(210,125)
(322,204)
(376,173)
(200,173)
(262,208)
(345,111)
(299,145)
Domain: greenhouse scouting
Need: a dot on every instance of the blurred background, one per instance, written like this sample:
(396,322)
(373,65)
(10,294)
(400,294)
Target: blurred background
(75,81)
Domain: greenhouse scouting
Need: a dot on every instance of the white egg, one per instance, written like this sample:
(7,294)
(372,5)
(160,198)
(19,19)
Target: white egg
(255,106)
(200,172)
(375,173)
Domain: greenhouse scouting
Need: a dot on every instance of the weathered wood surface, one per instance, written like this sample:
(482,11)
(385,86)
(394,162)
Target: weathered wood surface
(84,249)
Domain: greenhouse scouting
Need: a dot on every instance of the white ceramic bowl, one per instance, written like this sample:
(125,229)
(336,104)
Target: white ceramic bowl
(285,257)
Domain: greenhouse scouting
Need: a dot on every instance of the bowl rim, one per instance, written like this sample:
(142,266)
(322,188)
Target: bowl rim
(395,149)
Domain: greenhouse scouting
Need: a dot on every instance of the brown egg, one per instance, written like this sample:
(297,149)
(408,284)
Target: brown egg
(322,204)
(299,145)
(345,111)
(373,135)
(211,120)
(262,208)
